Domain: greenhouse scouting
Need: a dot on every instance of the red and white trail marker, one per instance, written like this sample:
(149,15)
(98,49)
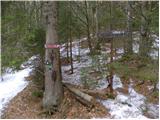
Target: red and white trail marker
(52,46)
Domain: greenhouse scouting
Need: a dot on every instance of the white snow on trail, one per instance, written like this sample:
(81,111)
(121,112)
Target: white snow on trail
(13,82)
(11,85)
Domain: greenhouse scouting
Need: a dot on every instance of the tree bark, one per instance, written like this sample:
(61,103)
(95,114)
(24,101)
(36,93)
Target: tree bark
(88,28)
(129,30)
(70,34)
(97,45)
(110,81)
(79,48)
(67,46)
(145,42)
(53,94)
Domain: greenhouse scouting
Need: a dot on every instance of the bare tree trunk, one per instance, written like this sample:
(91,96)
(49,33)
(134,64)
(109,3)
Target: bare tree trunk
(97,46)
(129,29)
(67,46)
(88,28)
(70,34)
(111,53)
(71,59)
(145,41)
(79,48)
(53,94)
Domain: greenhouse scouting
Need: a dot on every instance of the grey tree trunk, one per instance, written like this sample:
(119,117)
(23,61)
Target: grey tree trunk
(97,46)
(145,41)
(53,94)
(88,28)
(129,30)
(67,47)
(110,80)
(70,35)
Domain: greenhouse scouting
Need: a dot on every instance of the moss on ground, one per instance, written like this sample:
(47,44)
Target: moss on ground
(133,66)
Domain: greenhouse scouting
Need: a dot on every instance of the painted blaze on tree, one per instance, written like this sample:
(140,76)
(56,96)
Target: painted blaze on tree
(53,93)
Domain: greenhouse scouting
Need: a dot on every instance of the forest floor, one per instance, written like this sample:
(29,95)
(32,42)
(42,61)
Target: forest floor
(27,106)
(89,73)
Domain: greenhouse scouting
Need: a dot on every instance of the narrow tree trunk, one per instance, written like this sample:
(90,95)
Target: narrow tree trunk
(129,29)
(145,42)
(67,47)
(111,53)
(111,48)
(70,34)
(97,45)
(88,28)
(71,59)
(79,48)
(53,93)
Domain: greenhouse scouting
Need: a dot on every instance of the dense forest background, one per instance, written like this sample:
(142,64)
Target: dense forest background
(23,24)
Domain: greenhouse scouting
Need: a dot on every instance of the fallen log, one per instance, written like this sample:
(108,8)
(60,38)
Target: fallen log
(85,99)
(100,94)
(81,96)
(96,93)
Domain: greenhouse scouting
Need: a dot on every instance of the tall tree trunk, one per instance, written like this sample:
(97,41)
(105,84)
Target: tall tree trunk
(129,29)
(70,34)
(88,28)
(67,47)
(53,94)
(79,48)
(71,59)
(145,41)
(111,53)
(97,46)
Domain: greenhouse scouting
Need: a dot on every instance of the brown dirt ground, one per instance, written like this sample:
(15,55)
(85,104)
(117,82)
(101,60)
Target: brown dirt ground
(27,106)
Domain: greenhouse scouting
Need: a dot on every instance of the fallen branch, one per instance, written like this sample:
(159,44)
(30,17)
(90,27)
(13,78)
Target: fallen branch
(96,93)
(101,94)
(81,96)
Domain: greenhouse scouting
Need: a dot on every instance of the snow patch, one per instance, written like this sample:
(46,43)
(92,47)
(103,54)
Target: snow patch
(31,62)
(153,110)
(11,86)
(120,50)
(125,106)
(117,82)
(119,110)
(135,47)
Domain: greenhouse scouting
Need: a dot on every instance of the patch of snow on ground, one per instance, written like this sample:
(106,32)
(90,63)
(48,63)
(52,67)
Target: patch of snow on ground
(31,62)
(119,110)
(135,47)
(154,54)
(75,77)
(12,84)
(126,106)
(117,82)
(136,99)
(130,106)
(153,110)
(157,86)
(120,50)
(102,84)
